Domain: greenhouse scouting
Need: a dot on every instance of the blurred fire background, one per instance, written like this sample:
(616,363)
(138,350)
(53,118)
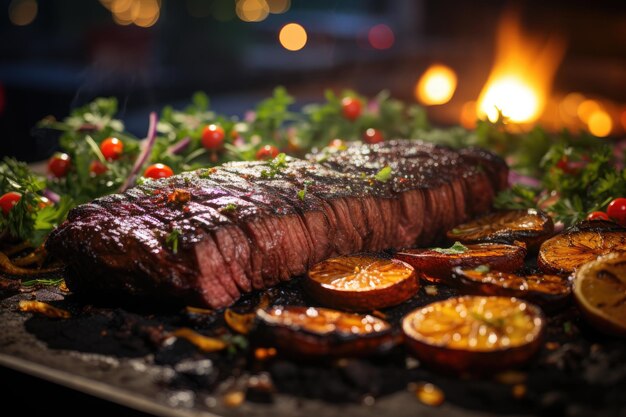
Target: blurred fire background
(561,64)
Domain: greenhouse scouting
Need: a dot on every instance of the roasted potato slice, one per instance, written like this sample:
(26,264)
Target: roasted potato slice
(362,282)
(600,292)
(474,333)
(436,265)
(549,291)
(529,226)
(566,252)
(316,332)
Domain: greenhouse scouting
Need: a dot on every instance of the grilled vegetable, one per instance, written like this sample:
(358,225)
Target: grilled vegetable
(323,332)
(476,334)
(600,292)
(549,291)
(529,226)
(361,283)
(436,265)
(566,252)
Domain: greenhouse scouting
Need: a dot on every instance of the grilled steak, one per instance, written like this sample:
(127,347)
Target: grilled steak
(206,237)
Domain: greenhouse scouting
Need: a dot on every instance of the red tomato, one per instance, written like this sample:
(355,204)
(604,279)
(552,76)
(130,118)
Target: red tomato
(598,215)
(617,210)
(112,148)
(157,171)
(212,137)
(59,164)
(8,200)
(97,168)
(267,152)
(351,108)
(372,136)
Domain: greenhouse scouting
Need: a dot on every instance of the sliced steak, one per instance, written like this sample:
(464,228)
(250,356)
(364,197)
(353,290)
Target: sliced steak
(248,225)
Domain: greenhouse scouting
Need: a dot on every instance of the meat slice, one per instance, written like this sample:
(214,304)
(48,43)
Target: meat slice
(250,225)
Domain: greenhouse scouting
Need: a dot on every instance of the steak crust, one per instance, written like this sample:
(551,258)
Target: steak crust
(246,226)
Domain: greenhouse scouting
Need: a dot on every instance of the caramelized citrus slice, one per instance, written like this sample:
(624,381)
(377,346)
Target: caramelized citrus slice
(600,292)
(550,291)
(564,253)
(323,332)
(529,226)
(361,283)
(474,333)
(436,265)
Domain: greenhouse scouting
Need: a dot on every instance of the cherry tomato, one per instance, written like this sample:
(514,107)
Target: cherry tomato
(213,137)
(112,148)
(351,108)
(373,136)
(598,215)
(97,168)
(157,171)
(8,200)
(59,164)
(267,152)
(617,210)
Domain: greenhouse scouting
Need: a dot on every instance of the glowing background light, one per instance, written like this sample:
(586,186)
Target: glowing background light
(586,109)
(521,78)
(22,12)
(600,123)
(252,10)
(436,85)
(278,6)
(381,37)
(292,37)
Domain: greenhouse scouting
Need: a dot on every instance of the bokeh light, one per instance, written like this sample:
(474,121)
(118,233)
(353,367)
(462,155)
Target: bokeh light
(381,37)
(600,123)
(278,6)
(143,13)
(569,105)
(292,37)
(22,12)
(436,85)
(252,10)
(586,109)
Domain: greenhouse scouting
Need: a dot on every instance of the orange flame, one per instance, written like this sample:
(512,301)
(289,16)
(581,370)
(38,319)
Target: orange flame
(521,78)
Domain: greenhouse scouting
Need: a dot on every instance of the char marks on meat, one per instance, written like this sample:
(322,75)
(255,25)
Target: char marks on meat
(246,226)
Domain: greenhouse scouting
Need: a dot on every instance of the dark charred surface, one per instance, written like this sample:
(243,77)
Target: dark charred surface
(578,371)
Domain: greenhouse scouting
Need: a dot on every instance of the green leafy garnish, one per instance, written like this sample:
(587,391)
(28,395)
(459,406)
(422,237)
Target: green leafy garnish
(275,165)
(384,174)
(483,269)
(455,249)
(42,282)
(172,240)
(302,192)
(228,208)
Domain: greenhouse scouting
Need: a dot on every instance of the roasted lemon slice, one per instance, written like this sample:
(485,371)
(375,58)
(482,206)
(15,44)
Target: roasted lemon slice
(600,292)
(313,331)
(436,265)
(564,253)
(361,283)
(474,333)
(529,226)
(549,291)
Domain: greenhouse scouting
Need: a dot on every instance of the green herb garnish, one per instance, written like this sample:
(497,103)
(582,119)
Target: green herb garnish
(43,282)
(228,208)
(455,249)
(172,240)
(302,192)
(276,165)
(384,174)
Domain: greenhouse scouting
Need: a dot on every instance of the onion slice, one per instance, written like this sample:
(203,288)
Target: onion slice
(143,155)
